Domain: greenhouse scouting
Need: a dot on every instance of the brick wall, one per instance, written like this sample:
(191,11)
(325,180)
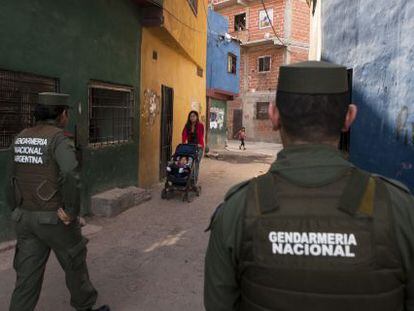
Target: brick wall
(263,81)
(252,19)
(300,21)
(254,86)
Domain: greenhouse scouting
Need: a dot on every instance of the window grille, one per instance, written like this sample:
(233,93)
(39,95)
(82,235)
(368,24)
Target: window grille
(110,114)
(18,97)
(264,64)
(262,109)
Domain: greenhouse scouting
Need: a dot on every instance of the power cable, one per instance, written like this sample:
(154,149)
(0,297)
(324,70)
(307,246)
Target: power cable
(175,17)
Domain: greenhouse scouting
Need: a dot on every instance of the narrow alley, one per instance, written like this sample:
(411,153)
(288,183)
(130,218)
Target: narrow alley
(150,257)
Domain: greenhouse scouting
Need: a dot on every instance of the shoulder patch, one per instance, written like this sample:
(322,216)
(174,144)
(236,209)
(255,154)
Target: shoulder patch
(395,183)
(233,190)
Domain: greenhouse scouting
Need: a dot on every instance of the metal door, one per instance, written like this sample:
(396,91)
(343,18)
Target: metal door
(166,128)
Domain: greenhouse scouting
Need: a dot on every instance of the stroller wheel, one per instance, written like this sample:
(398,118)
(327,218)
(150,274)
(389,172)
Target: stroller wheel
(198,191)
(186,197)
(164,194)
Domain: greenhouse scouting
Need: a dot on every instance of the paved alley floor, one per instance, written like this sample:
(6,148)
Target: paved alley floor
(151,257)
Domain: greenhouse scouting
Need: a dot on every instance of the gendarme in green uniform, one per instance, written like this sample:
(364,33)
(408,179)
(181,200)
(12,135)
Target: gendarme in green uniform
(315,233)
(45,179)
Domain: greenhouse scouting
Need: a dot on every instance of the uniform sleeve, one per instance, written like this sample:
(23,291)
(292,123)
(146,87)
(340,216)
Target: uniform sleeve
(69,174)
(403,210)
(65,155)
(221,286)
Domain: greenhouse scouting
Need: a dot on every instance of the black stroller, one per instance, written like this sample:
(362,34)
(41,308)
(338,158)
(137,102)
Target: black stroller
(183,178)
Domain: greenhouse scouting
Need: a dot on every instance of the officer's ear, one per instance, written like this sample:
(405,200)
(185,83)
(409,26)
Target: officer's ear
(350,117)
(274,116)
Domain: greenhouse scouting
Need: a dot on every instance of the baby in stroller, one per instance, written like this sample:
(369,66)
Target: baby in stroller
(181,167)
(181,172)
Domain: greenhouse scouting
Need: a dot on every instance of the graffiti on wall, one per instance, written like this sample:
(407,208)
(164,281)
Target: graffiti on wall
(151,107)
(217,115)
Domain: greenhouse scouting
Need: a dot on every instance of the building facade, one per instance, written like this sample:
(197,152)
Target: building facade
(374,39)
(272,33)
(173,83)
(223,75)
(90,50)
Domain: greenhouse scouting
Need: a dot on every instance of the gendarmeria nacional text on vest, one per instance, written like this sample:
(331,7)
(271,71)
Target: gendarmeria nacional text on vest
(312,243)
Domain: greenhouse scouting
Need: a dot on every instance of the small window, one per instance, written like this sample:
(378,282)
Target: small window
(262,109)
(18,97)
(264,21)
(110,113)
(200,72)
(264,64)
(231,63)
(240,22)
(194,5)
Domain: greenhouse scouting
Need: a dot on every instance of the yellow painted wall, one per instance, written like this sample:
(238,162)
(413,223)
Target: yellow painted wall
(188,29)
(180,51)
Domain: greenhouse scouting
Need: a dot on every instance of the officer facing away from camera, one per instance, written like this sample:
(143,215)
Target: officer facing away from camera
(315,233)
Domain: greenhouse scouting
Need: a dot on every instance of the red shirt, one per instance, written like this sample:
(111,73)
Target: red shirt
(200,134)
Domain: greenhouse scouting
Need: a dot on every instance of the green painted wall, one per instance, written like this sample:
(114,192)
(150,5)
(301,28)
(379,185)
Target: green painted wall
(76,41)
(218,124)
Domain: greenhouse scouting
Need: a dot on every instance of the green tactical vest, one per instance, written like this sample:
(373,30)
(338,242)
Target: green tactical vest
(36,177)
(325,248)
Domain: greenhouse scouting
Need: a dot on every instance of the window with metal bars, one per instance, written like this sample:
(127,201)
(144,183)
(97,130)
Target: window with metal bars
(18,97)
(262,110)
(110,114)
(264,63)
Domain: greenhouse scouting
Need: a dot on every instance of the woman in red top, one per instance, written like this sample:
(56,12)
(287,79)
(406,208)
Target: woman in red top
(193,133)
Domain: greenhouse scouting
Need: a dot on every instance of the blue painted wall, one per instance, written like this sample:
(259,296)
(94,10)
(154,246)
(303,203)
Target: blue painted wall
(375,38)
(217,50)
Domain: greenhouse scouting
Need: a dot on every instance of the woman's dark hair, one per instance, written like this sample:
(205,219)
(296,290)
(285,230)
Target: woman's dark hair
(43,112)
(312,118)
(188,124)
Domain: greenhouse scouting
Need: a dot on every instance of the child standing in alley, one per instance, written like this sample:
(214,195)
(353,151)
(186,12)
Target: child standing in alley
(241,135)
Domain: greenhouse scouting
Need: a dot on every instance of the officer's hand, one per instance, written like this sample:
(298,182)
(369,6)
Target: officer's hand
(65,218)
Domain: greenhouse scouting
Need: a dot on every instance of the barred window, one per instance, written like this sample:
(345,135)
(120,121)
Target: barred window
(110,114)
(264,64)
(262,110)
(18,97)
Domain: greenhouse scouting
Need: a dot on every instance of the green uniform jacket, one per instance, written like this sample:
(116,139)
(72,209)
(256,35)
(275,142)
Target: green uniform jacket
(306,165)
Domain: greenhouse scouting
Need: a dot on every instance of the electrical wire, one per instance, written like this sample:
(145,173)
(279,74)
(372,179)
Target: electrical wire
(175,17)
(271,23)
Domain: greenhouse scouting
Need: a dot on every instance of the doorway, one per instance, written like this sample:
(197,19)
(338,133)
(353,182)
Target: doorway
(167,94)
(237,120)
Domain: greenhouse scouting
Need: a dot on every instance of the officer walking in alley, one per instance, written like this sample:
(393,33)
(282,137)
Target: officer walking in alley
(46,207)
(315,233)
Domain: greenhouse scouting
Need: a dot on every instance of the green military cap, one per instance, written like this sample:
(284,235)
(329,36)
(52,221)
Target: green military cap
(53,99)
(313,77)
